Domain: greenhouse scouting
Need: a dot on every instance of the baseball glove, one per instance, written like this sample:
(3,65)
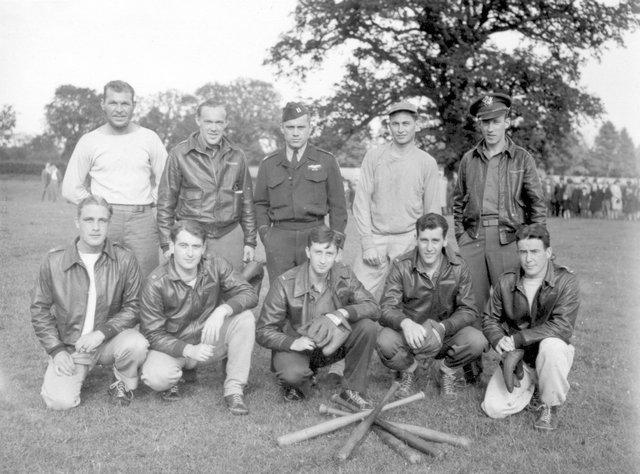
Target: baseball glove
(512,368)
(326,334)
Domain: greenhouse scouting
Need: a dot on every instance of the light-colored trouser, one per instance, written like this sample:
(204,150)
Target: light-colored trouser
(553,364)
(135,227)
(388,247)
(161,371)
(229,246)
(126,352)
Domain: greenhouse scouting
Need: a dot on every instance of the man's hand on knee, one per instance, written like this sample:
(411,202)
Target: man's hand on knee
(199,352)
(414,333)
(371,257)
(63,364)
(90,342)
(302,344)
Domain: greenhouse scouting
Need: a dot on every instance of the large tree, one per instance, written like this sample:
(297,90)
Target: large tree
(170,114)
(73,112)
(7,124)
(442,53)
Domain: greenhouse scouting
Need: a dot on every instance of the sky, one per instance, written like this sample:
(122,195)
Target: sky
(183,44)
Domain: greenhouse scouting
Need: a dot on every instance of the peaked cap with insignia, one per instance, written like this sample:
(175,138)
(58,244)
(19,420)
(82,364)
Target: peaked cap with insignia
(490,105)
(293,110)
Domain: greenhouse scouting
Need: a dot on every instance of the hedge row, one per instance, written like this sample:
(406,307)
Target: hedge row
(22,167)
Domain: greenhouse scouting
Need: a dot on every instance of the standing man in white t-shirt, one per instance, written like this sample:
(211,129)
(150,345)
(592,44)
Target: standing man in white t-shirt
(123,162)
(83,309)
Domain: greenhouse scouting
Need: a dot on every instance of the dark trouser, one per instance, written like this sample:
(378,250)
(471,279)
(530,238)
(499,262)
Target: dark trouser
(458,349)
(284,249)
(294,369)
(487,260)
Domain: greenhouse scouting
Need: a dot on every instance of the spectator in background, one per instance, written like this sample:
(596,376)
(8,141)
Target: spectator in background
(584,201)
(607,201)
(45,178)
(558,191)
(616,199)
(597,201)
(566,199)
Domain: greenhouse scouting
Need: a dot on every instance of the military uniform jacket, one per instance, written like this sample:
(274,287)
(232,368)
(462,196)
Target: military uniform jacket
(304,193)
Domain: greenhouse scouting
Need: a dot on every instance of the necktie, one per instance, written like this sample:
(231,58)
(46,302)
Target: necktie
(294,158)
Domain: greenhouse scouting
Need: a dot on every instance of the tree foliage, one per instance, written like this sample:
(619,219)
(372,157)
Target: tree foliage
(443,53)
(73,112)
(7,123)
(170,114)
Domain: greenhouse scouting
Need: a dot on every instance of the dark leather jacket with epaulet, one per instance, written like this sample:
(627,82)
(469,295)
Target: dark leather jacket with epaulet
(553,313)
(409,293)
(520,198)
(284,310)
(172,313)
(59,298)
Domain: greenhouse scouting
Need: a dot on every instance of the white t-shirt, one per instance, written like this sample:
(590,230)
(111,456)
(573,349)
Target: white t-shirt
(89,260)
(531,286)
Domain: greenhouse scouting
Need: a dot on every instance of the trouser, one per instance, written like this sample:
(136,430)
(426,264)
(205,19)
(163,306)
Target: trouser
(460,348)
(161,371)
(126,351)
(487,259)
(294,369)
(389,247)
(553,364)
(229,246)
(284,250)
(135,228)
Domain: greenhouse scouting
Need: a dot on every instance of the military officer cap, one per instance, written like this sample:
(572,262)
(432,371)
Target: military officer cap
(490,105)
(402,106)
(293,110)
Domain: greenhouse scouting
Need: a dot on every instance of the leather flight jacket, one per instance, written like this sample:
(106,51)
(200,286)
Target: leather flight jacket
(410,293)
(520,197)
(59,298)
(172,314)
(191,189)
(553,312)
(285,309)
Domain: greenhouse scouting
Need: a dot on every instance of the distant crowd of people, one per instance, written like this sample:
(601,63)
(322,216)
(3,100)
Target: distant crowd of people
(592,197)
(51,179)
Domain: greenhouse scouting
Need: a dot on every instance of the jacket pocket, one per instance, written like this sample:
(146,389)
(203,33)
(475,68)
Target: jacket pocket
(190,202)
(315,185)
(278,192)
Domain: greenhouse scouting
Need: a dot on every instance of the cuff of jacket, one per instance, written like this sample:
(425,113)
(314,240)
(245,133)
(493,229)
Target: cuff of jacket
(518,340)
(107,330)
(251,243)
(286,343)
(178,349)
(449,329)
(53,351)
(235,306)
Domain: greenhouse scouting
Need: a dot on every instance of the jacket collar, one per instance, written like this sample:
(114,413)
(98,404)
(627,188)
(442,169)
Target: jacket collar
(306,155)
(509,148)
(194,142)
(450,257)
(173,275)
(301,284)
(71,255)
(549,276)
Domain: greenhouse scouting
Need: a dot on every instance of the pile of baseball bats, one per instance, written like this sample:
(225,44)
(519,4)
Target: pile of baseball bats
(409,441)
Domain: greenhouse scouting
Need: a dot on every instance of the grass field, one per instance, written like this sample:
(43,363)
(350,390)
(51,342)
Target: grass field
(599,425)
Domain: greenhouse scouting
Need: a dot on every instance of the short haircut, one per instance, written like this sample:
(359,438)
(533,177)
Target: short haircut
(210,103)
(432,221)
(323,235)
(118,86)
(193,227)
(95,200)
(534,231)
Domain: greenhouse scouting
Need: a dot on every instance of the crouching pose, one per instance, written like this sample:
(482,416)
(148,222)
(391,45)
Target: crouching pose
(84,308)
(194,311)
(530,321)
(428,309)
(318,313)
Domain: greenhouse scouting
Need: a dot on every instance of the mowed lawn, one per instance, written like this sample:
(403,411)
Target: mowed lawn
(599,425)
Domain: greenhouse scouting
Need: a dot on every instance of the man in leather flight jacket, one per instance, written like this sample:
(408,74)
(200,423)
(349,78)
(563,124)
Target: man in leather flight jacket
(428,311)
(533,309)
(207,179)
(83,309)
(195,310)
(320,290)
(498,190)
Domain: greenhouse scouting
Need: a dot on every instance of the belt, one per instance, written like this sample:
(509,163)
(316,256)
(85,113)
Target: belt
(489,222)
(133,207)
(297,225)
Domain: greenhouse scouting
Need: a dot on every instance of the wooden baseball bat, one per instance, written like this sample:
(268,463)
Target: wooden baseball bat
(360,431)
(421,431)
(337,423)
(403,435)
(397,445)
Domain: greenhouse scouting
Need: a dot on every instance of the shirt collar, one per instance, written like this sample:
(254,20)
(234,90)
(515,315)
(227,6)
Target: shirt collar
(509,148)
(301,285)
(196,142)
(549,276)
(72,256)
(288,154)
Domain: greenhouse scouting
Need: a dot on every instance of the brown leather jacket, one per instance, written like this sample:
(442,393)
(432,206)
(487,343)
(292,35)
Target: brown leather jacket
(190,189)
(59,298)
(553,313)
(410,293)
(520,198)
(285,309)
(172,314)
